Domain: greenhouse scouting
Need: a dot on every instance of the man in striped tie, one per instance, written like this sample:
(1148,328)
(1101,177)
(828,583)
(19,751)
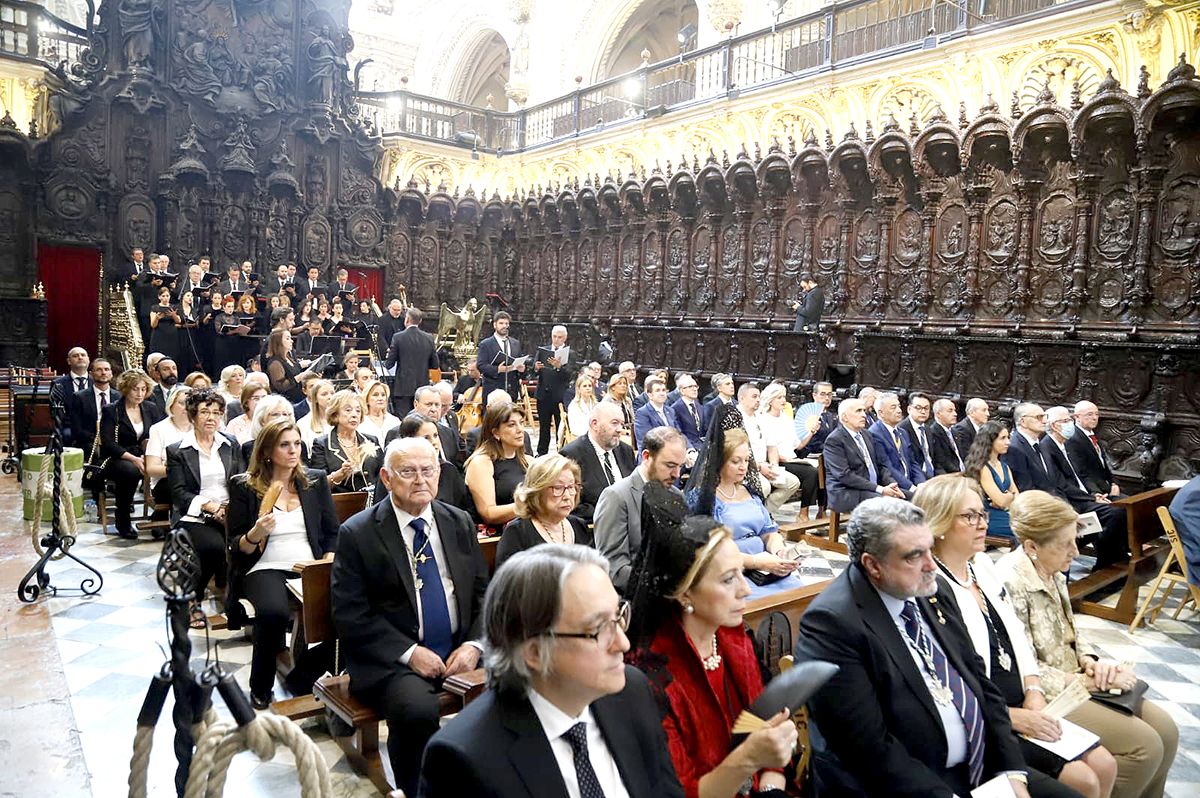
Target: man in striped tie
(910,712)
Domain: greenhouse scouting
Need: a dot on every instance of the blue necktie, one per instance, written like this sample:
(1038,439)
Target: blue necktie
(862,448)
(438,636)
(589,785)
(964,700)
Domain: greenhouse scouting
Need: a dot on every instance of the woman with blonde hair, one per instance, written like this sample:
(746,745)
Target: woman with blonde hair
(544,502)
(171,429)
(124,429)
(1144,743)
(579,412)
(498,464)
(270,408)
(319,392)
(779,430)
(197,379)
(350,457)
(230,386)
(378,422)
(954,511)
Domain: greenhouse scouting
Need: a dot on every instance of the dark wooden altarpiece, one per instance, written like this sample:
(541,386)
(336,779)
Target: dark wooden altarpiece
(1049,253)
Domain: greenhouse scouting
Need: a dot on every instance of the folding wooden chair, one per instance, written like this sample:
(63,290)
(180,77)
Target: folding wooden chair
(1174,557)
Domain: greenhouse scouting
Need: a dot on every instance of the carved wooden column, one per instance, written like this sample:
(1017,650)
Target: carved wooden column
(977,195)
(1028,189)
(880,289)
(1149,182)
(841,277)
(933,186)
(1085,202)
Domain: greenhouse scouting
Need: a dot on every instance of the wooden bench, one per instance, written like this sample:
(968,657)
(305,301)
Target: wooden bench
(332,693)
(791,603)
(1146,546)
(801,530)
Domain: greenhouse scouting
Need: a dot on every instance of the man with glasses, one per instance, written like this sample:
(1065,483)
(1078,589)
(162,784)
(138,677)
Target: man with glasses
(691,415)
(1038,463)
(915,424)
(618,529)
(407,595)
(563,714)
(813,431)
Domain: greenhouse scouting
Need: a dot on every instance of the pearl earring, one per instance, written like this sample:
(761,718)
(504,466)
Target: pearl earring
(689,609)
(1033,556)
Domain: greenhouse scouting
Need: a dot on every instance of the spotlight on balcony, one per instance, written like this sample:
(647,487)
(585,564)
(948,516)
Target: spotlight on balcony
(631,88)
(468,138)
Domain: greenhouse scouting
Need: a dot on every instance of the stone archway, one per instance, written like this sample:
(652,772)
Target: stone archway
(483,71)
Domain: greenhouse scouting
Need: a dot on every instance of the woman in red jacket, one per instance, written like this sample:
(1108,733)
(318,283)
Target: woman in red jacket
(688,636)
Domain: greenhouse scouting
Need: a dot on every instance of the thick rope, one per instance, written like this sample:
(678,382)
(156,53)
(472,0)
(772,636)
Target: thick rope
(222,741)
(139,765)
(33,526)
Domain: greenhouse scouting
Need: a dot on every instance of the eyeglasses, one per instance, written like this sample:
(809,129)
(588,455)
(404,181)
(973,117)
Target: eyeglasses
(409,472)
(559,490)
(607,631)
(974,518)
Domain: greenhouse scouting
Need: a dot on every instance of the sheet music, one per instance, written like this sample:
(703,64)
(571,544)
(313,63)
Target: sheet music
(519,361)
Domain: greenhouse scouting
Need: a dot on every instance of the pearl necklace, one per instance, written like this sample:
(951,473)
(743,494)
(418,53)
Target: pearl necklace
(729,497)
(970,574)
(713,660)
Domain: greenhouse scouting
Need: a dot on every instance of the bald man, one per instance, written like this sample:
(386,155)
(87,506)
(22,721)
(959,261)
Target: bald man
(854,471)
(1087,454)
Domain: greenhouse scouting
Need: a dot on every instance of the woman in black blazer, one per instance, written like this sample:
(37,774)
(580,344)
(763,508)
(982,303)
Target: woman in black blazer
(350,458)
(199,495)
(265,542)
(124,429)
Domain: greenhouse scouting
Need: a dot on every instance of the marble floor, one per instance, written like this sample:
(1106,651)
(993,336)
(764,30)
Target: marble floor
(76,671)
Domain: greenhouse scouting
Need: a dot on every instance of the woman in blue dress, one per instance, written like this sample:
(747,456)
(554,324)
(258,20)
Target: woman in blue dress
(719,488)
(985,464)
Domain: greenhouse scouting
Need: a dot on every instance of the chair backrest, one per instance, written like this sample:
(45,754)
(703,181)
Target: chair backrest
(347,504)
(1168,524)
(315,580)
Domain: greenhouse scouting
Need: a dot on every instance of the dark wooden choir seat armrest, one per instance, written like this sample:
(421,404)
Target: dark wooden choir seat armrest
(467,685)
(334,691)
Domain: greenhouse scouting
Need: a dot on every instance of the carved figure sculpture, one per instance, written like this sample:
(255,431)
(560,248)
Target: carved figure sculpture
(325,65)
(137,31)
(192,67)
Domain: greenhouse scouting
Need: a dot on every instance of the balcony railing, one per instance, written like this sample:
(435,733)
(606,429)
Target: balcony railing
(28,32)
(837,36)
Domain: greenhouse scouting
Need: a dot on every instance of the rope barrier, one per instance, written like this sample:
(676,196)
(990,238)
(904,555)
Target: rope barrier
(33,525)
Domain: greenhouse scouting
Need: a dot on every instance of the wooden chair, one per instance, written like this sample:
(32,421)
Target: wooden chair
(1175,557)
(331,694)
(828,541)
(564,428)
(347,504)
(149,508)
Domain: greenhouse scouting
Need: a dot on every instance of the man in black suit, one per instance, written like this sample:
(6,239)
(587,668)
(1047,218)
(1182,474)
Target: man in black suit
(235,281)
(448,420)
(389,324)
(943,449)
(76,379)
(84,407)
(854,472)
(602,456)
(810,307)
(814,433)
(310,283)
(167,373)
(342,283)
(412,353)
(128,272)
(145,292)
(977,414)
(427,403)
(1086,453)
(407,594)
(915,424)
(553,378)
(495,356)
(1039,463)
(911,712)
(561,707)
(191,285)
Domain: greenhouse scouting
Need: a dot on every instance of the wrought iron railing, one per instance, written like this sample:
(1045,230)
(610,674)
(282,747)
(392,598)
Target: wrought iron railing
(28,32)
(837,36)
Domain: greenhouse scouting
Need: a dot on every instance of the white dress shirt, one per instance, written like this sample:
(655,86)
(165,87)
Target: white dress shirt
(952,722)
(287,544)
(556,723)
(990,582)
(404,520)
(213,487)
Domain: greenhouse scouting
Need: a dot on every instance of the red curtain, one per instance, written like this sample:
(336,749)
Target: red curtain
(369,282)
(71,276)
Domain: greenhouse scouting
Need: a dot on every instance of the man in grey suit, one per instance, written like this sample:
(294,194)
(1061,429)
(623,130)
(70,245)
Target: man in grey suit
(618,529)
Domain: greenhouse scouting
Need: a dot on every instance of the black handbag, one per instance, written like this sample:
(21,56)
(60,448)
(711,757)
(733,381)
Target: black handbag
(1129,702)
(761,578)
(93,472)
